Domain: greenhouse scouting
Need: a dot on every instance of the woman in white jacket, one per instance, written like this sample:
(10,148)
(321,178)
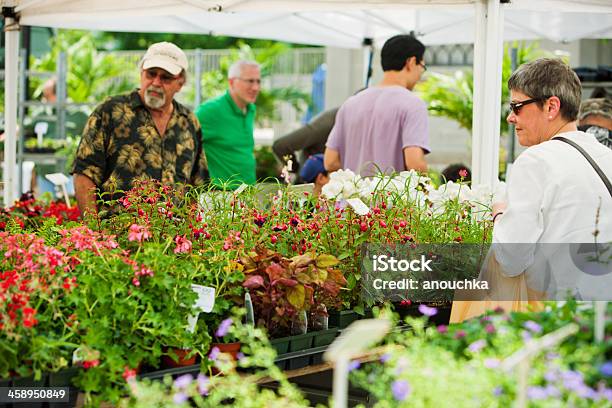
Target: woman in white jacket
(555,195)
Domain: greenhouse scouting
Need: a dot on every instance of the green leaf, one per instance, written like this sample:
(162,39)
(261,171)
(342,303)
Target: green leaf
(296,296)
(326,261)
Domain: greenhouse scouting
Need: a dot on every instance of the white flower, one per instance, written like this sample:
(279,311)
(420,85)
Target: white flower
(332,189)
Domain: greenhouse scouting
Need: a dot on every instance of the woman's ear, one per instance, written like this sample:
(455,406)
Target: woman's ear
(553,106)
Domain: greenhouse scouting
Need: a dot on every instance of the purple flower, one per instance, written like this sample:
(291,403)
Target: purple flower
(203,382)
(492,363)
(536,393)
(585,391)
(354,365)
(224,327)
(526,335)
(572,380)
(490,328)
(442,329)
(552,391)
(385,357)
(497,391)
(183,381)
(240,355)
(400,389)
(606,393)
(428,311)
(551,376)
(214,353)
(476,346)
(606,369)
(533,326)
(460,334)
(179,398)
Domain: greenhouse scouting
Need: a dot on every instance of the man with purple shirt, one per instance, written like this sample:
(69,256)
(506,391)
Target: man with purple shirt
(384,128)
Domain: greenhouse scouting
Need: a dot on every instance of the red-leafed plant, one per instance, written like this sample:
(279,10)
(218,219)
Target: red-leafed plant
(281,288)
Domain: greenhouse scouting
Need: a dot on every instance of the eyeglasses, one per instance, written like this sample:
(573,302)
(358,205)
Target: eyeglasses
(423,65)
(516,106)
(163,76)
(251,82)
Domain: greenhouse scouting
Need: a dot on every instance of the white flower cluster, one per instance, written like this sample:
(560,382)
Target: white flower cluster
(410,186)
(344,184)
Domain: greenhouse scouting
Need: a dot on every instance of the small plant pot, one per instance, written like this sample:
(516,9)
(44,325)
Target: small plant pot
(183,360)
(63,378)
(322,338)
(300,342)
(230,348)
(30,382)
(281,345)
(342,319)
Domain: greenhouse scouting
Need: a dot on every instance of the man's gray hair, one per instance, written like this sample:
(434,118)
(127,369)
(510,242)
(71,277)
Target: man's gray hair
(546,77)
(235,70)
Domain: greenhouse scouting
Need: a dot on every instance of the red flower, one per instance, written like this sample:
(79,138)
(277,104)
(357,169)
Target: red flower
(91,363)
(128,373)
(182,244)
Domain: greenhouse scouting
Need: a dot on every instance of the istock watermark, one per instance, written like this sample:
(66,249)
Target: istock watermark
(447,272)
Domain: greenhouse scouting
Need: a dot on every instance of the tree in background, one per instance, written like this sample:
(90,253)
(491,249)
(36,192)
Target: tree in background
(90,76)
(114,41)
(452,96)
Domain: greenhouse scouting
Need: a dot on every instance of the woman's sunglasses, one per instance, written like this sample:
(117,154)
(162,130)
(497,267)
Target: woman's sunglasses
(516,106)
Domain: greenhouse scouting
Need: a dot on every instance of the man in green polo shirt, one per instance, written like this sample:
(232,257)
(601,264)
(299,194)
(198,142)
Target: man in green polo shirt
(227,127)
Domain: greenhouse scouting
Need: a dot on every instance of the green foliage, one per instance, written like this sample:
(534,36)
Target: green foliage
(452,96)
(428,359)
(228,387)
(267,164)
(141,41)
(91,75)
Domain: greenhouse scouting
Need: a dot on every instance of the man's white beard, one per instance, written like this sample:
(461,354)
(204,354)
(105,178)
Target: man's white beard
(155,102)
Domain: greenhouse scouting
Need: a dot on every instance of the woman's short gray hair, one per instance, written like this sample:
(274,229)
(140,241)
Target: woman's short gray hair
(546,77)
(235,70)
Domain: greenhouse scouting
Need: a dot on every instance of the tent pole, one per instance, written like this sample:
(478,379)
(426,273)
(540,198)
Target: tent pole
(488,52)
(11,57)
(368,42)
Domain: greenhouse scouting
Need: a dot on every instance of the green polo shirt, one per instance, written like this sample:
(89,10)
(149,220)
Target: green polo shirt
(227,135)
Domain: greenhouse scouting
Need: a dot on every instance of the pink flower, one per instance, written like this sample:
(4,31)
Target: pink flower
(182,244)
(138,233)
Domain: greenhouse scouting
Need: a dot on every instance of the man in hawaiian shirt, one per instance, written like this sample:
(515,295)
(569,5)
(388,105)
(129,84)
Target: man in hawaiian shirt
(145,134)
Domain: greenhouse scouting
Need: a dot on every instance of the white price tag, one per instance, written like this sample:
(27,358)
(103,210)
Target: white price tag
(192,320)
(57,178)
(240,188)
(206,298)
(358,206)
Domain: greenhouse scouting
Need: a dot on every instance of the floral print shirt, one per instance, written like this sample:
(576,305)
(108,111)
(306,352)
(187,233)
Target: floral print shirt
(120,144)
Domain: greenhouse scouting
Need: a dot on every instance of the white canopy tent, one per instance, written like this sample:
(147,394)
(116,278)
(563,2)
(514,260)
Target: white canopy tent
(341,23)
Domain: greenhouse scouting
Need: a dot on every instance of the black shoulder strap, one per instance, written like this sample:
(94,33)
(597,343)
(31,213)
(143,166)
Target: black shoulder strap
(590,160)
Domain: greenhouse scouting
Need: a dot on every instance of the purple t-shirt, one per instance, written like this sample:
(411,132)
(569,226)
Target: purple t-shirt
(373,127)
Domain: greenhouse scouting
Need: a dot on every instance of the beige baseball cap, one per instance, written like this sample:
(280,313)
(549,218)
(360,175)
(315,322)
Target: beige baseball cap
(166,56)
(596,106)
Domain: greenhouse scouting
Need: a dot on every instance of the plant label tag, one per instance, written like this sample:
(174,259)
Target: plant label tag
(240,189)
(206,298)
(192,320)
(358,206)
(57,178)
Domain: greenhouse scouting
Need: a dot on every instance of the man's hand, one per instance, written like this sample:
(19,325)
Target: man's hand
(331,160)
(414,159)
(85,192)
